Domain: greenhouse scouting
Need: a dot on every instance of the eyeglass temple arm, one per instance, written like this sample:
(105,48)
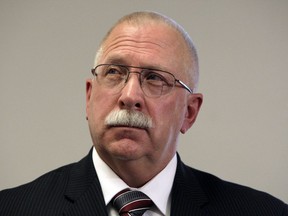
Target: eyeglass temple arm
(185,86)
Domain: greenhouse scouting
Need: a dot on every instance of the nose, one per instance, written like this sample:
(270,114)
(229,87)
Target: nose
(131,95)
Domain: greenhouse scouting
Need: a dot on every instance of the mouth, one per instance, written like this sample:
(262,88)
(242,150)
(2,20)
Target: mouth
(126,126)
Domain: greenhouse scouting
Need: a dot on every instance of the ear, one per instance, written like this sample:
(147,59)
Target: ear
(88,95)
(194,103)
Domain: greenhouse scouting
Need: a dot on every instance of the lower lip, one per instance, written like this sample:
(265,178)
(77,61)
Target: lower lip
(127,127)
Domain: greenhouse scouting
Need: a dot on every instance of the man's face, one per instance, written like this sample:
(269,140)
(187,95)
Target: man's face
(155,46)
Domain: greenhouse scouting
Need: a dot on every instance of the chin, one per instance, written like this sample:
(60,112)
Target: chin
(126,150)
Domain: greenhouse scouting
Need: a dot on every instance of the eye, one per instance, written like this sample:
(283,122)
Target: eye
(113,71)
(153,76)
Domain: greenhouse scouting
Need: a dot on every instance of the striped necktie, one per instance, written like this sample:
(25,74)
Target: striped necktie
(131,203)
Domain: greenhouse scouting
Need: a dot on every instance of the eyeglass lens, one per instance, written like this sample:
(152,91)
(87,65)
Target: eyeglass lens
(153,82)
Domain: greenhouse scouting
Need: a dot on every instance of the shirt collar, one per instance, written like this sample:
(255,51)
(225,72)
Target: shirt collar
(158,188)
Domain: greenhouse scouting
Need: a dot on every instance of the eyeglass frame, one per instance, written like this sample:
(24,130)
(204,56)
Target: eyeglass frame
(182,84)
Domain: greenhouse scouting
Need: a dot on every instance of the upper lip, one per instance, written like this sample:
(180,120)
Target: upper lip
(127,126)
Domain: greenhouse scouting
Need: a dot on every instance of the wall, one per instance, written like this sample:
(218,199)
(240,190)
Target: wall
(47,50)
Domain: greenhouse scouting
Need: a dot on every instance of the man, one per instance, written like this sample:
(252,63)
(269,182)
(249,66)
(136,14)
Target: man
(142,95)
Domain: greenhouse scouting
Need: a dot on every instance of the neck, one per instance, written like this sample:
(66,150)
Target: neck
(137,172)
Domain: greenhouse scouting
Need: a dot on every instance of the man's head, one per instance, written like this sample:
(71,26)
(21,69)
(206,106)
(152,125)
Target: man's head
(190,57)
(151,49)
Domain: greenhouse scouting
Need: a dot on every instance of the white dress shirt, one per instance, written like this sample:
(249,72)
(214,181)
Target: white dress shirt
(158,188)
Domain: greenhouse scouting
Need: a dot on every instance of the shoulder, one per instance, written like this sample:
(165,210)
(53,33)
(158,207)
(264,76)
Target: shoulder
(231,197)
(49,178)
(49,188)
(46,195)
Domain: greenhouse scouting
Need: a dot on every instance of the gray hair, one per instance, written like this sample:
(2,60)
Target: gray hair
(140,18)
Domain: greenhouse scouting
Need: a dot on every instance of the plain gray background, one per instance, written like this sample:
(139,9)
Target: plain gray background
(47,49)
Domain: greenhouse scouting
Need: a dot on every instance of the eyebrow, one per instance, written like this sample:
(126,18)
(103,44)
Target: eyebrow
(118,60)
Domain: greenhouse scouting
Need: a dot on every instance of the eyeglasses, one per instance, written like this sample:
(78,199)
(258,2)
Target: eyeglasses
(154,82)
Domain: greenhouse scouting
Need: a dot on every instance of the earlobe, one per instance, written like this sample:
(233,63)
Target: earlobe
(193,107)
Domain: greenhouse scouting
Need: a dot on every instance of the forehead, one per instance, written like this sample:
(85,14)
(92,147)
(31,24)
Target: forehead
(153,45)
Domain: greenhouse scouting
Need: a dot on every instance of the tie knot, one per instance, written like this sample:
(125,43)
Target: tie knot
(133,203)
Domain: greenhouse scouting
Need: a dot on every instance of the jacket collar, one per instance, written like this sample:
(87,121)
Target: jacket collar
(85,195)
(84,190)
(187,193)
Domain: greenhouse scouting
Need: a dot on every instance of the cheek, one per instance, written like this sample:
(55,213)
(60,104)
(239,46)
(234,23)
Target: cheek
(99,107)
(169,117)
(173,114)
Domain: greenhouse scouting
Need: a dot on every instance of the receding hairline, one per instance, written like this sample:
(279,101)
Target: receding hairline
(148,17)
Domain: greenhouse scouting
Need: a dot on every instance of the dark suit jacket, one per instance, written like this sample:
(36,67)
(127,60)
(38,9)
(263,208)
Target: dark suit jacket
(75,190)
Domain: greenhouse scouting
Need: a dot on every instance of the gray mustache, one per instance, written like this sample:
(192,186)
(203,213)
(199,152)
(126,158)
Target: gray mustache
(129,118)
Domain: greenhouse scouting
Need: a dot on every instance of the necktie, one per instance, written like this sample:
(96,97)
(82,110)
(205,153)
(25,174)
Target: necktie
(131,203)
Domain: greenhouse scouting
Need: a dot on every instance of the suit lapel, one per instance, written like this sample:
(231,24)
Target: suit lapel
(188,198)
(84,190)
(85,195)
